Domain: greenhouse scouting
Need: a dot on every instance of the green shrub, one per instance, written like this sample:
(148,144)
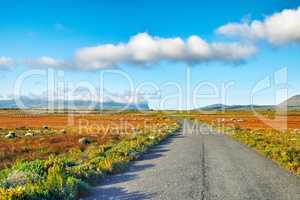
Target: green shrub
(65,177)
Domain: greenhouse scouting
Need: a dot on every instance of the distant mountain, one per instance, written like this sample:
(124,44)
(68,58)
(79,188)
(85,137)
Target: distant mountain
(215,107)
(220,107)
(75,104)
(291,103)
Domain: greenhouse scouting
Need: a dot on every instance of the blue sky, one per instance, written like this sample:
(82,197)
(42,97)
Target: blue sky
(30,30)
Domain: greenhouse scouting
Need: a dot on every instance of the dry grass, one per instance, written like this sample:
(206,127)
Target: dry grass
(280,145)
(99,128)
(247,120)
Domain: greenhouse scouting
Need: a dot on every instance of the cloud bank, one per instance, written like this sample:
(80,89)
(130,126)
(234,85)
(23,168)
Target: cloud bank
(46,61)
(143,49)
(279,28)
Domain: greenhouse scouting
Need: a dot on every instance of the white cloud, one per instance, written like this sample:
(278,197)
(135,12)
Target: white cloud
(143,49)
(6,62)
(279,28)
(84,94)
(46,61)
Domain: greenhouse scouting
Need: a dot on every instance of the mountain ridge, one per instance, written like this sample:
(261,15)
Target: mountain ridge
(291,103)
(29,103)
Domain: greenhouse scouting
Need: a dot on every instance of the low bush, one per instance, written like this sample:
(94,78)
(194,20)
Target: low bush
(68,176)
(281,147)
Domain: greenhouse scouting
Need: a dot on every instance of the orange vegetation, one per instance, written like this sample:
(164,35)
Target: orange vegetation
(99,128)
(251,121)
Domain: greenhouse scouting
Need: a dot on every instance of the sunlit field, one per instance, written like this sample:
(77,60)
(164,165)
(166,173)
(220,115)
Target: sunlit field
(57,155)
(264,135)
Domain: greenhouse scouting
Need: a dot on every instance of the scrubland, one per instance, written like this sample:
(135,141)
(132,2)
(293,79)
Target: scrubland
(59,156)
(274,136)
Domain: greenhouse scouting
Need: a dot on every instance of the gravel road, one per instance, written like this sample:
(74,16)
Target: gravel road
(197,163)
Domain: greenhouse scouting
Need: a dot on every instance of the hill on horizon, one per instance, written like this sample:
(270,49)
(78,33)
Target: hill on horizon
(292,103)
(72,104)
(219,107)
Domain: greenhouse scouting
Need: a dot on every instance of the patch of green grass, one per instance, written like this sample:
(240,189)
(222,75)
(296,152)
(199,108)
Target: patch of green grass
(282,147)
(69,176)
